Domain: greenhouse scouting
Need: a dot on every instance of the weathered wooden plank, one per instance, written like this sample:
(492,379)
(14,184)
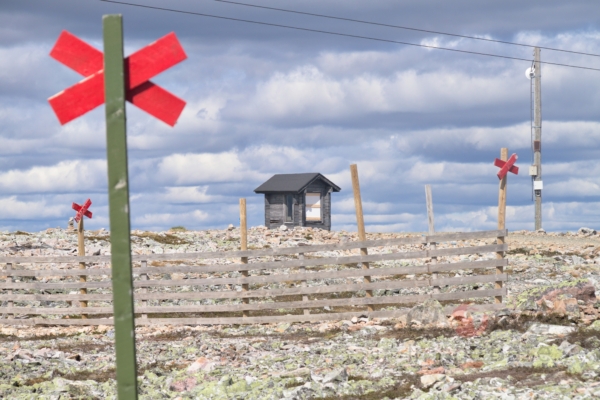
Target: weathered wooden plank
(306,290)
(59,272)
(194,295)
(56,297)
(239,320)
(337,260)
(263,319)
(61,285)
(224,308)
(469,294)
(438,238)
(481,264)
(207,321)
(462,280)
(418,269)
(207,282)
(355,301)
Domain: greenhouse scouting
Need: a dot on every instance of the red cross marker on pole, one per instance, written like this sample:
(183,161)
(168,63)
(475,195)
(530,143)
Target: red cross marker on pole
(82,210)
(139,68)
(506,166)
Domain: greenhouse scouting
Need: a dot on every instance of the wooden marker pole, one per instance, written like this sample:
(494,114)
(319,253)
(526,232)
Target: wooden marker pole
(360,222)
(430,219)
(81,252)
(9,279)
(243,247)
(118,195)
(501,220)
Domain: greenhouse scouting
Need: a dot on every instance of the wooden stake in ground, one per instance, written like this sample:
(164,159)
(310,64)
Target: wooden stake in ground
(501,219)
(82,211)
(243,247)
(360,222)
(506,165)
(430,219)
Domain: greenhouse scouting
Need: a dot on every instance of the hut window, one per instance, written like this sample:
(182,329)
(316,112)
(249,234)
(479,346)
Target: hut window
(313,206)
(289,208)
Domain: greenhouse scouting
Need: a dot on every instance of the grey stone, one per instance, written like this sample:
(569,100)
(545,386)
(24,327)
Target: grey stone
(547,329)
(577,260)
(430,380)
(586,231)
(339,375)
(430,312)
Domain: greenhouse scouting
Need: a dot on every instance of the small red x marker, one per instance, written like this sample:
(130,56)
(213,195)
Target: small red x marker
(139,68)
(506,166)
(82,210)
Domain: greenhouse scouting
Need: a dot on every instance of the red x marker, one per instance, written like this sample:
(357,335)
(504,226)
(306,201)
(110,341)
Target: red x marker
(506,166)
(139,68)
(82,210)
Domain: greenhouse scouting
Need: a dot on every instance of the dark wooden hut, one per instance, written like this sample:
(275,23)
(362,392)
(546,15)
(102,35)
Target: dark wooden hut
(298,200)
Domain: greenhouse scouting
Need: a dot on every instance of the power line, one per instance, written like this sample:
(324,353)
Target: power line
(343,34)
(404,27)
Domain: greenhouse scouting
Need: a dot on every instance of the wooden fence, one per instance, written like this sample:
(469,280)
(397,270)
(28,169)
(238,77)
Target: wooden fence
(303,283)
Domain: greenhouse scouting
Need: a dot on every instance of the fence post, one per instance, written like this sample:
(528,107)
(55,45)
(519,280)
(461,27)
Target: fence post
(81,252)
(430,219)
(302,270)
(360,222)
(501,220)
(244,247)
(144,277)
(9,279)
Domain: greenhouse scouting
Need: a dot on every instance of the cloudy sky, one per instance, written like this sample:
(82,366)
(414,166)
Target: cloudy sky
(263,100)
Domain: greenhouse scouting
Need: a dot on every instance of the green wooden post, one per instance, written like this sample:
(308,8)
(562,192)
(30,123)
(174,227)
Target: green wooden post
(118,191)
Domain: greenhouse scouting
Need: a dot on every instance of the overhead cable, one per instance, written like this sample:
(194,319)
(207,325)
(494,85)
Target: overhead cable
(405,27)
(342,34)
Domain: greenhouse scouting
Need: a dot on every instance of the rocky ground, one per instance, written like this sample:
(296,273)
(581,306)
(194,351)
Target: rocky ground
(546,345)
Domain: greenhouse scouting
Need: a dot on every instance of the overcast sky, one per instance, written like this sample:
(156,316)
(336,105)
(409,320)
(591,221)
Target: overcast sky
(263,100)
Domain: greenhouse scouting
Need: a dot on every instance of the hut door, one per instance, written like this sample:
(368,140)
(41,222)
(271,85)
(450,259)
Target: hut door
(289,208)
(313,206)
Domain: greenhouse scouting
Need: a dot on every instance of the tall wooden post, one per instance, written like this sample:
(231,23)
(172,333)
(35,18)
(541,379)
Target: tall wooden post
(360,222)
(501,220)
(81,252)
(118,192)
(431,230)
(243,247)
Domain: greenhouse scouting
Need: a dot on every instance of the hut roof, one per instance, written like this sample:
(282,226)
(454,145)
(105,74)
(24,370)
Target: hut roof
(294,183)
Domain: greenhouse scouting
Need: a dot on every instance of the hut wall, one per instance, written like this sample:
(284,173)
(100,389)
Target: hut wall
(323,189)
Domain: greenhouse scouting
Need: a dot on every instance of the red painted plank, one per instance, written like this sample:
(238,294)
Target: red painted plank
(507,166)
(153,59)
(82,210)
(499,163)
(157,102)
(77,54)
(79,98)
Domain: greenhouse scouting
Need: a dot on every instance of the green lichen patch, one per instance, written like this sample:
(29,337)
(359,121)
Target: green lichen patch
(586,338)
(162,238)
(410,333)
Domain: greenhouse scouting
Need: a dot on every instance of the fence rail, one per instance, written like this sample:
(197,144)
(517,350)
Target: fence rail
(303,286)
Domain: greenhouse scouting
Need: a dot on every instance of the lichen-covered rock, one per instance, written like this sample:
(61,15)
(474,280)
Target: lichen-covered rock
(429,312)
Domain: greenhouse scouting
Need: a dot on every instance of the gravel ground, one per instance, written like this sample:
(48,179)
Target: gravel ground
(546,346)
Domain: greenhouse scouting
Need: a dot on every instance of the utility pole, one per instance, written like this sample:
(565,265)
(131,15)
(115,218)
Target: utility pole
(537,141)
